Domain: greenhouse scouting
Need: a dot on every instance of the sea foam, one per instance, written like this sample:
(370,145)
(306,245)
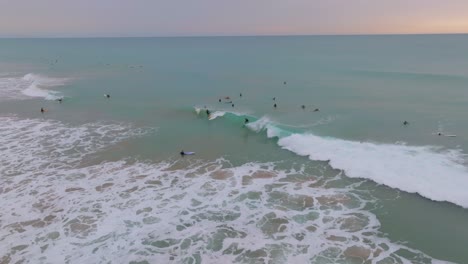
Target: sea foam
(58,210)
(432,172)
(38,85)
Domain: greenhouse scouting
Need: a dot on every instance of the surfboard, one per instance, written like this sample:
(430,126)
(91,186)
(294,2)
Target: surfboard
(189,153)
(437,134)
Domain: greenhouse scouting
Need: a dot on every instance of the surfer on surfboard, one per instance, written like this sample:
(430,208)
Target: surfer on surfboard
(183,153)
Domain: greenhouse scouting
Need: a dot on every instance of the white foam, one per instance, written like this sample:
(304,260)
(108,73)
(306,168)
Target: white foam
(432,172)
(38,84)
(22,141)
(266,124)
(57,210)
(30,85)
(216,114)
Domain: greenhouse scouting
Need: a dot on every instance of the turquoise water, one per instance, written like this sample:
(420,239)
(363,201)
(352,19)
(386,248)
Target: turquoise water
(97,180)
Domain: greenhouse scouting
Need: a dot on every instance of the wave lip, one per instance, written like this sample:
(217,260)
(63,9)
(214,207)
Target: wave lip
(37,86)
(432,172)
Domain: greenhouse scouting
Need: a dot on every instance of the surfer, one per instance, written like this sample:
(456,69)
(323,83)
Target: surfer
(42,110)
(219,100)
(274,105)
(182,153)
(284,82)
(107,96)
(303,106)
(240,94)
(60,100)
(232,105)
(405,123)
(274,98)
(316,110)
(208,112)
(246,121)
(439,134)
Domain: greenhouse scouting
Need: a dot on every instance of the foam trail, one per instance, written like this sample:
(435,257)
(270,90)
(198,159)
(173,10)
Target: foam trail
(432,172)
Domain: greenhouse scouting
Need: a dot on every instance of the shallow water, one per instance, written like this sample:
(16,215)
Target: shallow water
(99,180)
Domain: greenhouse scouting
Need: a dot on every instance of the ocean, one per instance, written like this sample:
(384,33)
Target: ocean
(329,175)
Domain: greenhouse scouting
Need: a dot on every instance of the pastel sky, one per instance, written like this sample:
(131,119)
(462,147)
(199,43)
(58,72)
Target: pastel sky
(92,18)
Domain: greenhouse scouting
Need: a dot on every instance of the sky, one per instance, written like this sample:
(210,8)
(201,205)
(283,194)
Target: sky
(138,18)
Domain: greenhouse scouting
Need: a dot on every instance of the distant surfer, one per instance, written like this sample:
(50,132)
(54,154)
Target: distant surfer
(246,121)
(219,100)
(107,96)
(405,123)
(274,105)
(227,97)
(284,82)
(240,95)
(208,112)
(60,100)
(316,110)
(182,153)
(232,105)
(439,134)
(274,98)
(303,106)
(42,110)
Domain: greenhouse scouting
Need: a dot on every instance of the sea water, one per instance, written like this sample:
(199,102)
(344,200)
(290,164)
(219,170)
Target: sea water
(100,180)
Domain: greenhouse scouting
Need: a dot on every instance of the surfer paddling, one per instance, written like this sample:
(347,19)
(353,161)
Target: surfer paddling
(184,153)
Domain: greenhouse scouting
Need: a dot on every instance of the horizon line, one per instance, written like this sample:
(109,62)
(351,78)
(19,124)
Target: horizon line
(227,36)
